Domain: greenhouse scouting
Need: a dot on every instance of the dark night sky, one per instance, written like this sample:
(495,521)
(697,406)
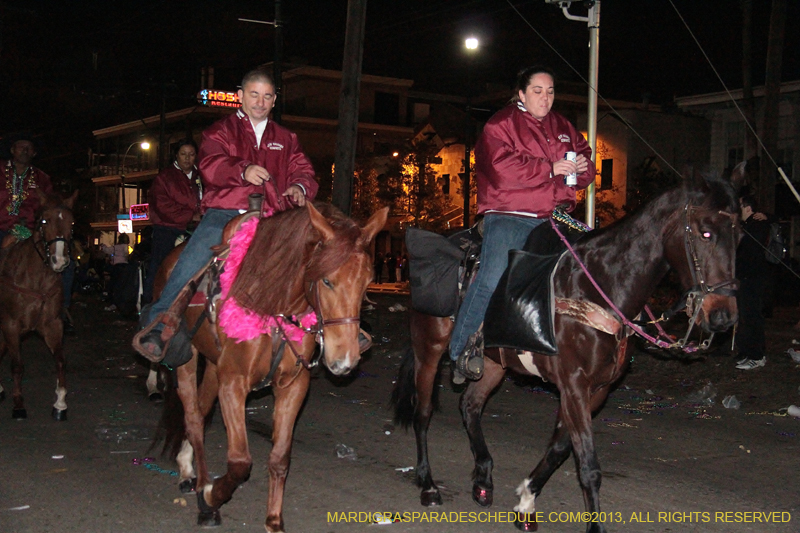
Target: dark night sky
(53,86)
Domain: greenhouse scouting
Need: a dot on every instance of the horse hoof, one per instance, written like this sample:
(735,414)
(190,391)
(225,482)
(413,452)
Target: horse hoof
(526,525)
(430,498)
(188,486)
(209,518)
(483,497)
(59,414)
(156,397)
(19,414)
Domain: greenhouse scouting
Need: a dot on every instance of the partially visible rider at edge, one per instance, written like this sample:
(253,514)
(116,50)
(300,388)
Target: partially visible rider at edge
(520,172)
(242,154)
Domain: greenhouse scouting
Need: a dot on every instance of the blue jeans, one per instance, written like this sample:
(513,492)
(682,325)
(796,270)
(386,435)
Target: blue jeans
(501,233)
(196,254)
(162,244)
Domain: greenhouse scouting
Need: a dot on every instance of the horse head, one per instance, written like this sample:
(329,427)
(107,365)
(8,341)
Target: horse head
(339,272)
(54,229)
(703,251)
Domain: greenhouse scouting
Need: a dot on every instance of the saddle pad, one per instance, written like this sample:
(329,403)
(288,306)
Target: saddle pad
(521,311)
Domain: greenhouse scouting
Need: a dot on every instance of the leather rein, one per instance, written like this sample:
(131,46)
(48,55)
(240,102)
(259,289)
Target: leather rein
(693,300)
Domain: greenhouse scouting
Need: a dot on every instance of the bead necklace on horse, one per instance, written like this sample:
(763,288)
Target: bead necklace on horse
(693,229)
(304,266)
(31,295)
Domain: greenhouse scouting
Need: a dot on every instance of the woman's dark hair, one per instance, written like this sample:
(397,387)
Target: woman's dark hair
(185,142)
(524,76)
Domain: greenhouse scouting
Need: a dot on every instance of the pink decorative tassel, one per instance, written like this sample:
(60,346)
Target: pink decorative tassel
(242,324)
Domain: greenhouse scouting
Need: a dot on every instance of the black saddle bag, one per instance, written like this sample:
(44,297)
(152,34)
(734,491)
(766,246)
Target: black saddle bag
(438,266)
(521,313)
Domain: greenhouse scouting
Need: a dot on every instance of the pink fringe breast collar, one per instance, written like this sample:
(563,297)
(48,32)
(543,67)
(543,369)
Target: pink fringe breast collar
(242,324)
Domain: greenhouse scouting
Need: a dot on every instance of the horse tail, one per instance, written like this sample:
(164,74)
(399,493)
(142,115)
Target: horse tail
(171,427)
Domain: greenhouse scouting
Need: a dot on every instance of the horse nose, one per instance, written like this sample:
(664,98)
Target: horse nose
(721,319)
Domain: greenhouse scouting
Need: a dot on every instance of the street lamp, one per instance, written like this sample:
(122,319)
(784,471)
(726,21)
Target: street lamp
(471,44)
(144,145)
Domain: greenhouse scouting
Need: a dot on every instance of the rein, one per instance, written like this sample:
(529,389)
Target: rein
(694,298)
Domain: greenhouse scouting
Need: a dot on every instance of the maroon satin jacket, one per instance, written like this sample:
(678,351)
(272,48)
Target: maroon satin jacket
(230,145)
(34,179)
(514,162)
(174,198)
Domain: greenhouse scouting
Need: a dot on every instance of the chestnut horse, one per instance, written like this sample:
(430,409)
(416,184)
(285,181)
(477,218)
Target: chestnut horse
(31,295)
(302,260)
(694,229)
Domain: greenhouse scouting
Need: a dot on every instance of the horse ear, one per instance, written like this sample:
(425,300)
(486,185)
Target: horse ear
(374,224)
(319,222)
(738,176)
(70,202)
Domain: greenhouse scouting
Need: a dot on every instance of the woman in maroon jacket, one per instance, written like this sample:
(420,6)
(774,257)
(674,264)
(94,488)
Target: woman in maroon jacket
(174,203)
(520,172)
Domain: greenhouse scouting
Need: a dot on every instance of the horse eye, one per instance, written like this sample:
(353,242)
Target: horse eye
(327,283)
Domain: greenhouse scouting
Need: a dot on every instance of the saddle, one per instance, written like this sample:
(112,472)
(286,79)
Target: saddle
(522,309)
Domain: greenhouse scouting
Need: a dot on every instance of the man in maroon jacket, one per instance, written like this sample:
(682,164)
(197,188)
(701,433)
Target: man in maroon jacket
(19,200)
(242,154)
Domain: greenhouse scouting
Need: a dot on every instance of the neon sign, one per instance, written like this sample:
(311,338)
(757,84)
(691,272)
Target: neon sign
(139,212)
(214,98)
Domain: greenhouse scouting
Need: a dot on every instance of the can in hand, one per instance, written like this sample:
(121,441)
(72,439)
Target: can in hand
(571,179)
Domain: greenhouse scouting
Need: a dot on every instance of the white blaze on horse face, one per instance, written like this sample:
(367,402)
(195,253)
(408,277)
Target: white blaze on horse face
(61,395)
(184,460)
(60,258)
(527,500)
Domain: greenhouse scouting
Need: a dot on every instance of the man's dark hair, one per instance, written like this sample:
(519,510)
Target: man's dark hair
(257,74)
(748,200)
(524,76)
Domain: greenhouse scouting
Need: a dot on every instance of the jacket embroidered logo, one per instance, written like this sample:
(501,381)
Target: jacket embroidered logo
(564,138)
(274,146)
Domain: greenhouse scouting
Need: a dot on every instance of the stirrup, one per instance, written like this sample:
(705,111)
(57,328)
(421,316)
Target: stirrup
(470,361)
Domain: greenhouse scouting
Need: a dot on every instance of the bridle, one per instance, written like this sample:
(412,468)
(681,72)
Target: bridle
(47,255)
(317,329)
(693,301)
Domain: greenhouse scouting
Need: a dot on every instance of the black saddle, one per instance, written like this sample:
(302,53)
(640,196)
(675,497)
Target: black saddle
(521,311)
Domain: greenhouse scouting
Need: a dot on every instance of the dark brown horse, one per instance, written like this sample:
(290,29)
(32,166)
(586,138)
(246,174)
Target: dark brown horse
(693,229)
(300,261)
(31,295)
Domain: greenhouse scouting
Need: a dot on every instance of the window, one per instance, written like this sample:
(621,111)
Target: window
(387,109)
(784,160)
(446,184)
(735,156)
(606,174)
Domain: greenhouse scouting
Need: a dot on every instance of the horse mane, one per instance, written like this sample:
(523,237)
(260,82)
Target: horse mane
(287,253)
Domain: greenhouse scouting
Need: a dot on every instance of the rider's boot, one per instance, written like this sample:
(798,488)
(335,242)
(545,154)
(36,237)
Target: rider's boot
(469,364)
(153,339)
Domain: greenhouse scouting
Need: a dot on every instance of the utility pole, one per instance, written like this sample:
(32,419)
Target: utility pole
(277,67)
(593,21)
(347,135)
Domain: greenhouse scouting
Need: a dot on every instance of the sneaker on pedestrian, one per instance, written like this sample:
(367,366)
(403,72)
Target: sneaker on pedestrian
(750,364)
